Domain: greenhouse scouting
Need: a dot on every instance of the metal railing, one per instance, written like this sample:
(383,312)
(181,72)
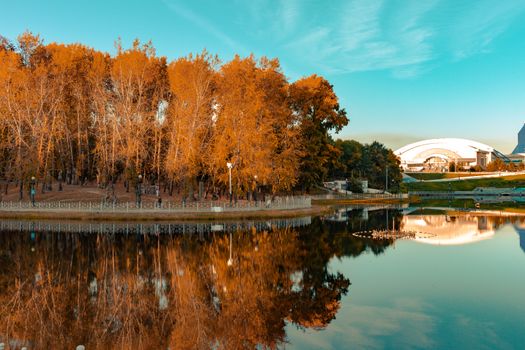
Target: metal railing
(150,228)
(278,203)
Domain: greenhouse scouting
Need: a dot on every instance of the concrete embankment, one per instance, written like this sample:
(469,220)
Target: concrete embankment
(284,208)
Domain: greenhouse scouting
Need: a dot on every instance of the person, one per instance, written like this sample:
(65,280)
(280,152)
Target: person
(33,193)
(159,201)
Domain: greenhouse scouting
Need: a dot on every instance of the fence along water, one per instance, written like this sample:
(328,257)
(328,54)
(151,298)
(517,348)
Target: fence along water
(150,228)
(278,203)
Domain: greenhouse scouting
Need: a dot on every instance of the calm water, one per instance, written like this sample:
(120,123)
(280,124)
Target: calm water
(434,280)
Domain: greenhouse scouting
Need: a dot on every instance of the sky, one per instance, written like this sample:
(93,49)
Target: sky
(404,70)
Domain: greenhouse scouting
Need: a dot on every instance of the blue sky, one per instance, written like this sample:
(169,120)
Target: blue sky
(404,70)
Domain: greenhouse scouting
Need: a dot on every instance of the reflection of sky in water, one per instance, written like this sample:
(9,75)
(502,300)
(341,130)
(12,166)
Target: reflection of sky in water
(427,296)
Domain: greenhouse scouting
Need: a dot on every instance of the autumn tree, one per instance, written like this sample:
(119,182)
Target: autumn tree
(316,105)
(69,112)
(11,141)
(190,116)
(497,165)
(139,83)
(78,73)
(31,107)
(275,111)
(242,134)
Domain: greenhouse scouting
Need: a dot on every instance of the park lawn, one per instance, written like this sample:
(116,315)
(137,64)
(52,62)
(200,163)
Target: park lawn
(468,185)
(439,176)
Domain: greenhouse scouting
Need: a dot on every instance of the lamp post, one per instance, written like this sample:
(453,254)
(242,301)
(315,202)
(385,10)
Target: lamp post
(255,189)
(386,179)
(230,166)
(32,190)
(138,191)
(230,260)
(60,180)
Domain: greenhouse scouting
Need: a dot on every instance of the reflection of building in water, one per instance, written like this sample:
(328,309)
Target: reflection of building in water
(520,230)
(449,230)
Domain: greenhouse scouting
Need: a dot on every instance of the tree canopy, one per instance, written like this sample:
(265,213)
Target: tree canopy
(68,111)
(369,162)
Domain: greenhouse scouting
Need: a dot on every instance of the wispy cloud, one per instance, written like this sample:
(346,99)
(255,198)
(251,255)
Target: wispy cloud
(359,40)
(362,23)
(401,324)
(484,21)
(205,24)
(408,38)
(289,14)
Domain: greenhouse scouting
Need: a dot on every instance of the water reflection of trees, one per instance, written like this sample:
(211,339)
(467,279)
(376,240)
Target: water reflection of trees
(336,236)
(58,290)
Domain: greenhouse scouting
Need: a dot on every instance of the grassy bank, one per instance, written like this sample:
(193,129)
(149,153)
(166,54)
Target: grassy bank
(343,201)
(468,185)
(467,204)
(439,176)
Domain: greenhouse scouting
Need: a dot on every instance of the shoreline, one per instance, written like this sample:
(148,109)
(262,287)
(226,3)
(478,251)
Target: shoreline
(319,207)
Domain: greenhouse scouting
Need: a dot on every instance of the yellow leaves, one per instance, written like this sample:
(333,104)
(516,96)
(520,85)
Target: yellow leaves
(174,291)
(83,112)
(138,86)
(251,123)
(28,44)
(190,114)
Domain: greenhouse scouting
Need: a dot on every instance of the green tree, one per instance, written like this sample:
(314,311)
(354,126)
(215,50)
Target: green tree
(347,164)
(315,103)
(369,161)
(376,160)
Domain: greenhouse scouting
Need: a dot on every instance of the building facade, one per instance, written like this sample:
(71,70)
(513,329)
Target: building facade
(438,155)
(520,147)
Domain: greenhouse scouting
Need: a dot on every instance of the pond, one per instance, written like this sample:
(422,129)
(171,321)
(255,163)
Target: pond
(370,278)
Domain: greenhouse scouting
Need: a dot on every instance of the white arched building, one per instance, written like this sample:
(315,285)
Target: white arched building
(438,154)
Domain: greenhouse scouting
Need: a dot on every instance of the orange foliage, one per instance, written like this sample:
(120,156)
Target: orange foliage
(71,112)
(190,117)
(162,291)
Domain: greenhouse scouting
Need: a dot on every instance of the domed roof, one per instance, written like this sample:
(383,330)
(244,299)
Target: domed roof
(437,153)
(461,148)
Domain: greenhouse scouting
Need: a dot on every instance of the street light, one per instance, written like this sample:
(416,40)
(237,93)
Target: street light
(138,191)
(255,189)
(60,180)
(32,191)
(230,260)
(230,166)
(386,179)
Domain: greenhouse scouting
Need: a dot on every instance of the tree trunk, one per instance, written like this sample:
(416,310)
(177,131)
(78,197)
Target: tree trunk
(21,190)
